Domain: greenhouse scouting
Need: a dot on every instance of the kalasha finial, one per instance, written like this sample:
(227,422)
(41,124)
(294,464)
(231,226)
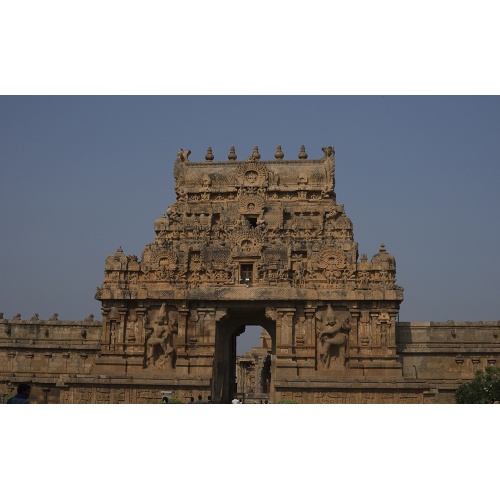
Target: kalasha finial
(302,154)
(209,156)
(279,155)
(256,154)
(232,155)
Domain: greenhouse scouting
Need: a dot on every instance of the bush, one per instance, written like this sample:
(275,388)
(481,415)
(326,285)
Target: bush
(484,388)
(5,397)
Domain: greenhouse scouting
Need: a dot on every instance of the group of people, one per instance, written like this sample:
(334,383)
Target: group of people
(23,393)
(236,400)
(164,400)
(199,400)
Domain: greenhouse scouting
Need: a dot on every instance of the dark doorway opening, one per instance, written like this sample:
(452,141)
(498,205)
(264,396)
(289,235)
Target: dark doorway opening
(247,375)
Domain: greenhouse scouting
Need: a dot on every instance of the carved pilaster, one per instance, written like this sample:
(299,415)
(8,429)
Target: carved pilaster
(355,315)
(182,364)
(284,326)
(392,339)
(374,334)
(200,330)
(310,325)
(106,334)
(122,311)
(141,336)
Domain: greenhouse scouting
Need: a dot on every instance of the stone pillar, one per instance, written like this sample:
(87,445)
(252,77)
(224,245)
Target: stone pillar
(11,355)
(285,365)
(200,343)
(374,341)
(364,330)
(305,344)
(48,357)
(105,328)
(182,363)
(310,326)
(353,336)
(83,357)
(141,336)
(391,342)
(122,328)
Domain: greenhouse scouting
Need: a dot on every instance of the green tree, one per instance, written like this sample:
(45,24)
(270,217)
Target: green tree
(484,388)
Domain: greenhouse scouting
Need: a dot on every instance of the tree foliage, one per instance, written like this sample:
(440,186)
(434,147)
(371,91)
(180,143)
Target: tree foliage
(6,397)
(484,388)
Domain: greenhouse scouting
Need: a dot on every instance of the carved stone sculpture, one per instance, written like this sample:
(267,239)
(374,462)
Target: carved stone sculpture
(332,330)
(160,349)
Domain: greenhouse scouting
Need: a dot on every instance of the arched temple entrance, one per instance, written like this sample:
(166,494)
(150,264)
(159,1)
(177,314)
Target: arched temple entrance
(254,243)
(254,350)
(224,379)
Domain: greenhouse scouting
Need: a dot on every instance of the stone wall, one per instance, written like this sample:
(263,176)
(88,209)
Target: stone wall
(42,352)
(446,354)
(58,357)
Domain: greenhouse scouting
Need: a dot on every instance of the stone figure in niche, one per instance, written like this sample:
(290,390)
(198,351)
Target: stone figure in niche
(160,349)
(332,330)
(300,272)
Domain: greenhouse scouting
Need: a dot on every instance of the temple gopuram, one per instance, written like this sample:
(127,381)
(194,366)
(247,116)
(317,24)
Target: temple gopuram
(247,242)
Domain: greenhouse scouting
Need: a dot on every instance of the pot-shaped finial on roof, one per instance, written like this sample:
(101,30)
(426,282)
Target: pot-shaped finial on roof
(209,156)
(279,155)
(302,153)
(232,155)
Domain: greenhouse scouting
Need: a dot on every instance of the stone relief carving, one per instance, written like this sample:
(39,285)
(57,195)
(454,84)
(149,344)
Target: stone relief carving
(251,216)
(160,332)
(332,329)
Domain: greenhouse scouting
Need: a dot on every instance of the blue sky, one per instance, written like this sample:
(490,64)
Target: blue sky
(81,176)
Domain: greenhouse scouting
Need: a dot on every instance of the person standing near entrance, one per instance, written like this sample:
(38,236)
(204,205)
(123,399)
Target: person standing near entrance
(200,400)
(23,393)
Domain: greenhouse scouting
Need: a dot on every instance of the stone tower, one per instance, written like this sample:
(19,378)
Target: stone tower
(254,242)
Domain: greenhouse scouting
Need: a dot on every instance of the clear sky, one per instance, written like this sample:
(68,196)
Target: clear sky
(81,176)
